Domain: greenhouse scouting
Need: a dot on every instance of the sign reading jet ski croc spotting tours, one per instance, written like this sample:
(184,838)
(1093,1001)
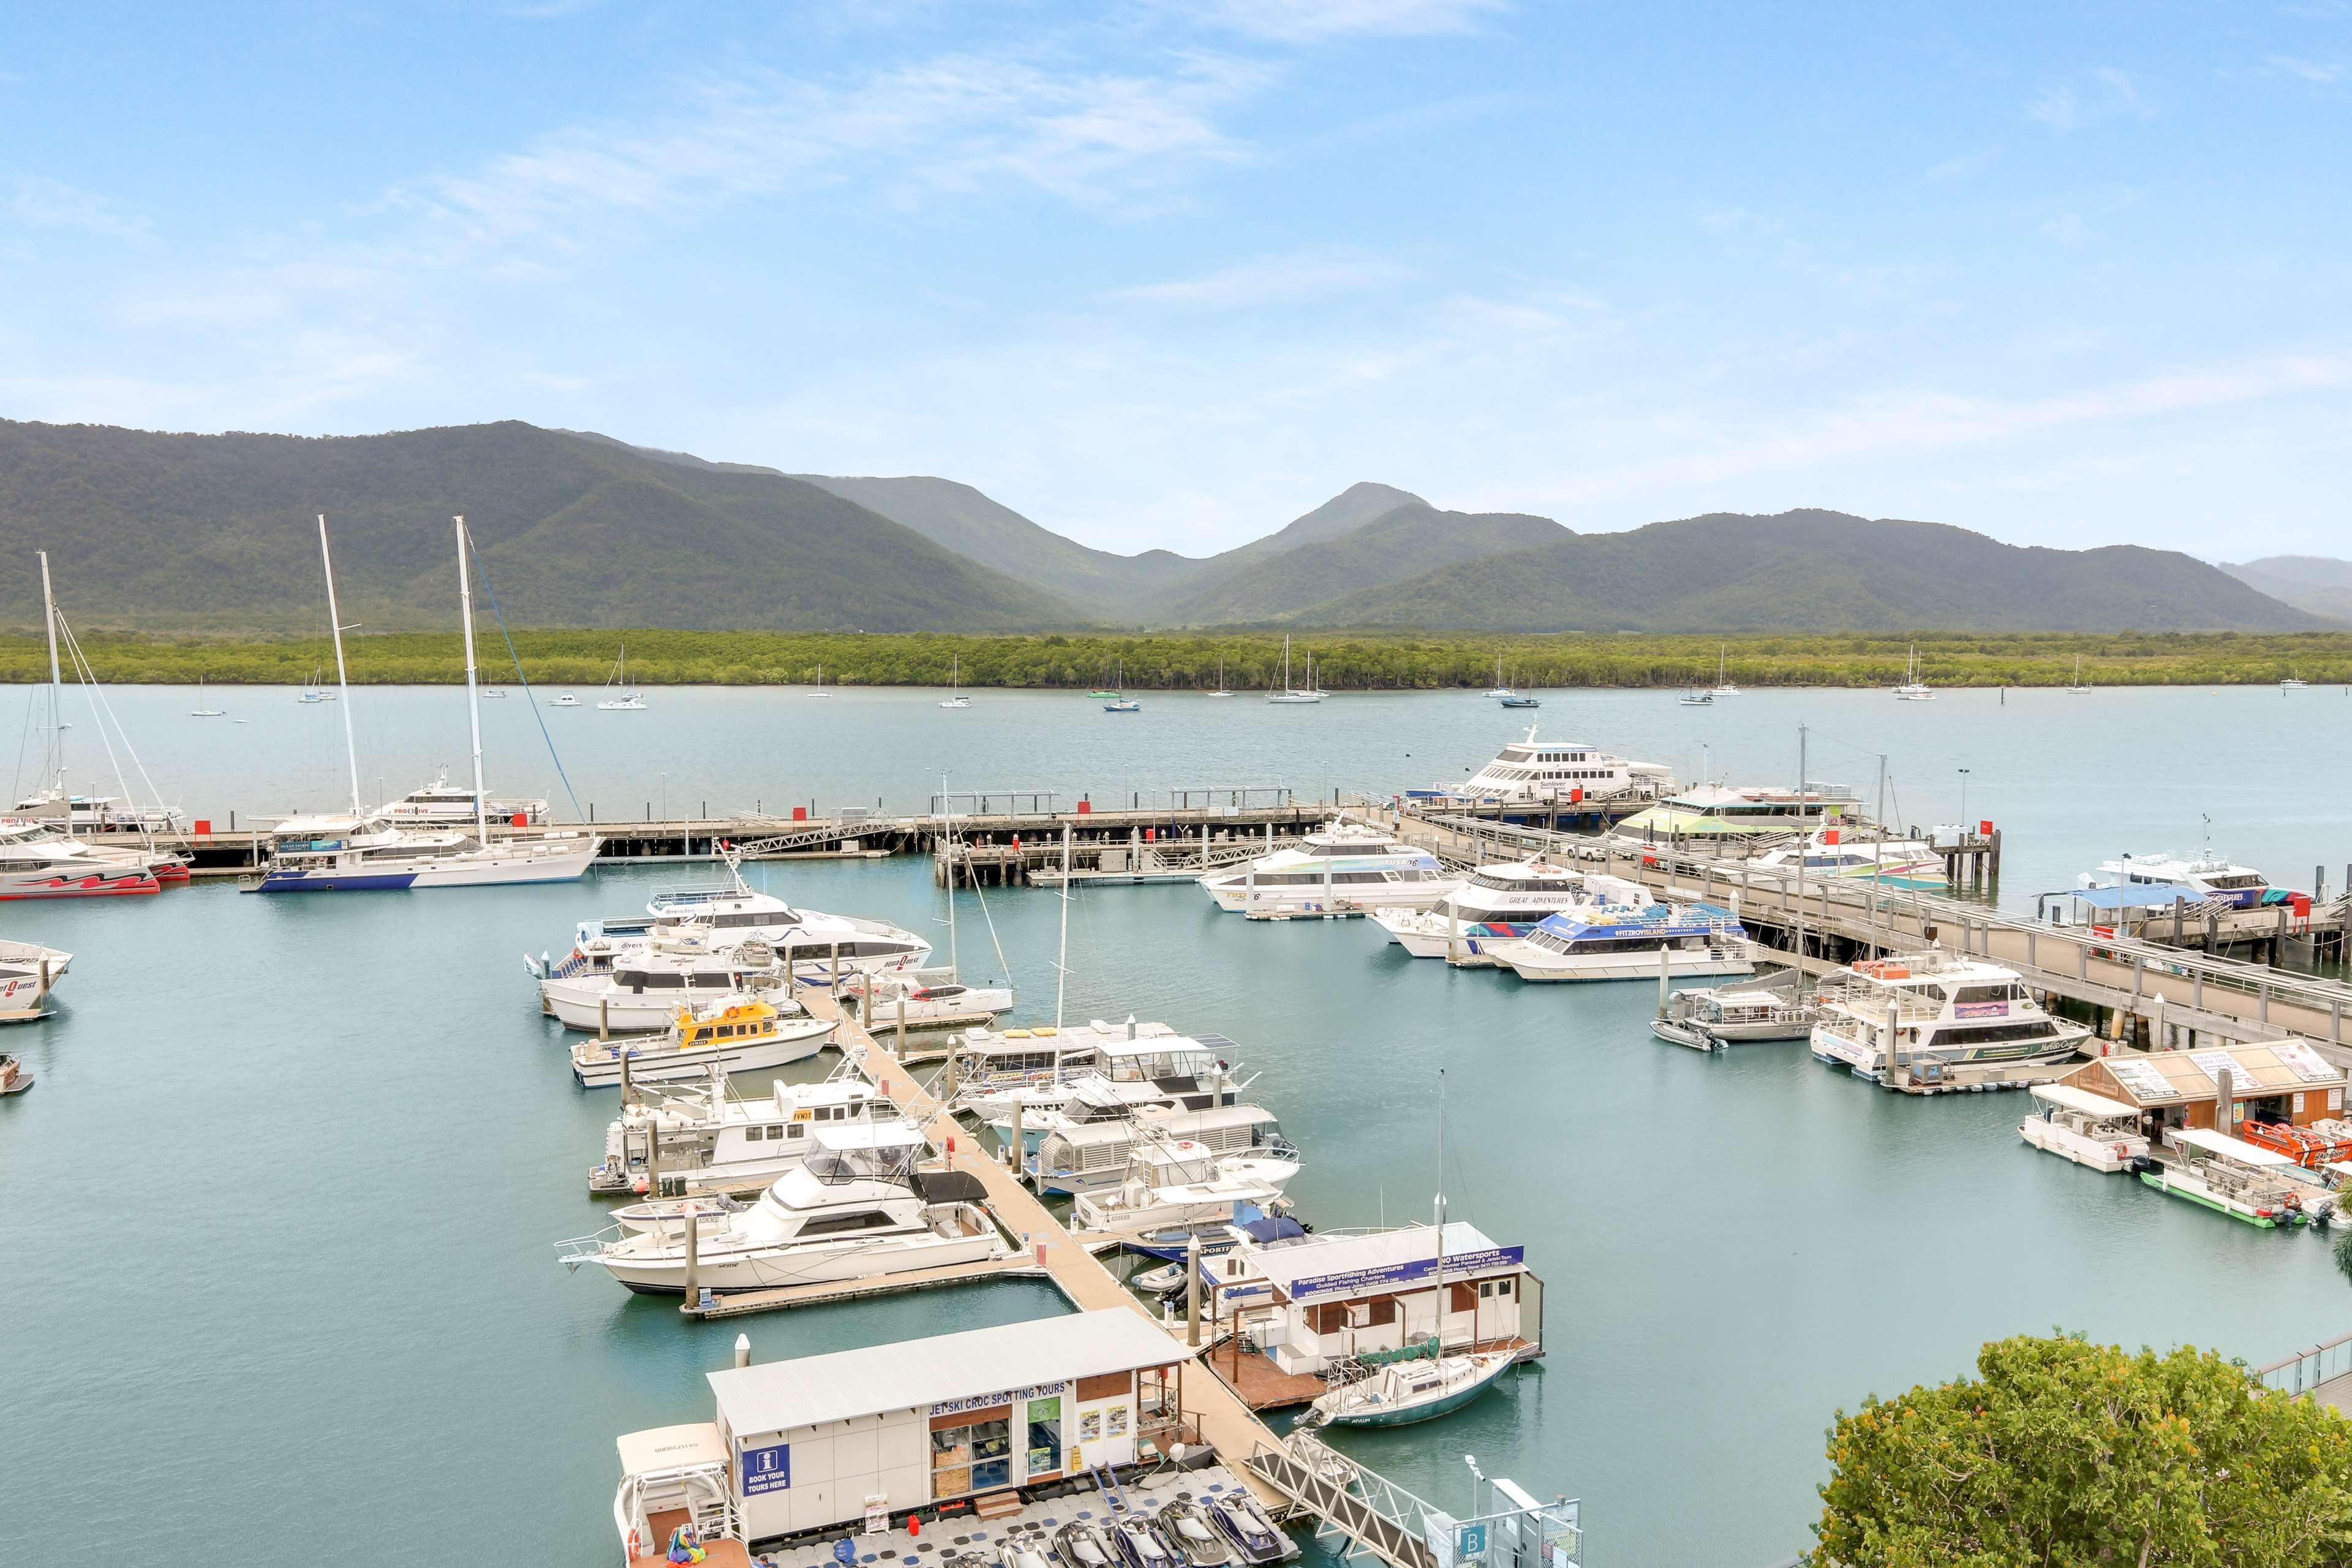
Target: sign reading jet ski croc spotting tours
(1360,1281)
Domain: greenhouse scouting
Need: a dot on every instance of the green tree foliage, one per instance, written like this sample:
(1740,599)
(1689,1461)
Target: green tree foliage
(1252,661)
(2061,1454)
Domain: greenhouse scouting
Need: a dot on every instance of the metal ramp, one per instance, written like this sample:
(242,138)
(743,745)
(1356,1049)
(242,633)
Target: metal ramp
(807,837)
(1369,1515)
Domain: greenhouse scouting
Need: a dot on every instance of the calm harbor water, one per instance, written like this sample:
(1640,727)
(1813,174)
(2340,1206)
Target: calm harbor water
(279,1211)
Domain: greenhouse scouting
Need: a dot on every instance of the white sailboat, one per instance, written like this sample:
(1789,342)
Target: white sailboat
(2079,685)
(1723,686)
(628,702)
(1290,693)
(956,698)
(1500,690)
(199,711)
(1912,688)
(1221,690)
(820,690)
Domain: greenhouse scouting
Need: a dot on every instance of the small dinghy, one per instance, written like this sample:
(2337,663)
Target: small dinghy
(14,1077)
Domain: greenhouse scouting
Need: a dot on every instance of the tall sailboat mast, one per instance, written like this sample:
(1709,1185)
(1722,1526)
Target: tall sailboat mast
(473,699)
(342,675)
(56,682)
(1441,1212)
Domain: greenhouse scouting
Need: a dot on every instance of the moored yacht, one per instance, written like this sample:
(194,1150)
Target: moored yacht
(36,862)
(1944,1008)
(1626,941)
(703,1138)
(1090,1146)
(2206,873)
(1912,688)
(1828,855)
(2089,1128)
(1545,773)
(859,1207)
(1709,1020)
(1342,868)
(1726,815)
(1496,903)
(28,972)
(817,945)
(641,987)
(1132,1065)
(1419,1386)
(444,802)
(734,1036)
(926,999)
(1176,1185)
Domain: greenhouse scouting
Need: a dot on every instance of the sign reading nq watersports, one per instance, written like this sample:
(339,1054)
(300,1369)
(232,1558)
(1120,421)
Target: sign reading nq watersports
(1357,1281)
(768,1470)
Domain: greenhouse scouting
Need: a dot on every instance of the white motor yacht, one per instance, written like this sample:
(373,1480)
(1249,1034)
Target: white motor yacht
(36,862)
(1342,868)
(705,1138)
(818,946)
(29,973)
(1709,1020)
(1626,941)
(1178,1185)
(640,989)
(928,999)
(1091,1148)
(859,1207)
(444,803)
(1830,855)
(2088,1129)
(1726,815)
(1547,774)
(2205,874)
(1492,903)
(1133,1065)
(736,1035)
(1944,1008)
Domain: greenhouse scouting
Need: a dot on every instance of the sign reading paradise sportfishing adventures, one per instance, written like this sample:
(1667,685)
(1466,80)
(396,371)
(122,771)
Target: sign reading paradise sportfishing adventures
(1355,1281)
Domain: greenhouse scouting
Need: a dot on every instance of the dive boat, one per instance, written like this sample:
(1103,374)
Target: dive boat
(1496,902)
(1829,855)
(704,1137)
(2088,1129)
(443,804)
(2238,1179)
(737,1036)
(1709,1020)
(1625,942)
(1729,813)
(1546,774)
(1339,868)
(28,972)
(1912,688)
(1946,1008)
(2206,873)
(859,1207)
(644,983)
(1420,1387)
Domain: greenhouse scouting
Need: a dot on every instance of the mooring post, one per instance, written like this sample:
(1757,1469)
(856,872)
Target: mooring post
(693,1257)
(1193,1291)
(1020,1155)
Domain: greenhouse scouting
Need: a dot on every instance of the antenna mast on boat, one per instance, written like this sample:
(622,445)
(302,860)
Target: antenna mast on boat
(342,676)
(1804,847)
(1441,1210)
(57,685)
(473,700)
(1062,963)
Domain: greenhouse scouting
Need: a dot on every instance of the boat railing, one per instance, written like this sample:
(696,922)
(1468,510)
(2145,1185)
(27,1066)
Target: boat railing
(575,1250)
(2307,1369)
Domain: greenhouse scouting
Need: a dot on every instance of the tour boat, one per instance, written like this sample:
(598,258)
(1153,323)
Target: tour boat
(707,1138)
(624,700)
(2206,873)
(1496,902)
(28,972)
(1946,1008)
(360,853)
(1912,688)
(638,985)
(859,1207)
(1290,693)
(739,1035)
(1624,941)
(1123,705)
(1339,868)
(2238,1179)
(1400,1393)
(1091,1147)
(1527,773)
(38,863)
(1723,686)
(955,697)
(446,804)
(1697,699)
(1185,1523)
(1729,813)
(1828,855)
(2088,1129)
(1709,1020)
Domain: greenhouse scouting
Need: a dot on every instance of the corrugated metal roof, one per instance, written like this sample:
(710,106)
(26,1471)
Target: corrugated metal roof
(779,1395)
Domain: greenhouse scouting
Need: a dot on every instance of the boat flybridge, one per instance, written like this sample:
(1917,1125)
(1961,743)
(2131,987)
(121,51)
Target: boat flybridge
(1634,939)
(860,1206)
(1729,813)
(1944,1008)
(1557,773)
(745,1034)
(1828,854)
(705,1138)
(2206,873)
(2089,1128)
(1179,1186)
(1496,903)
(360,852)
(1039,1074)
(444,803)
(1342,868)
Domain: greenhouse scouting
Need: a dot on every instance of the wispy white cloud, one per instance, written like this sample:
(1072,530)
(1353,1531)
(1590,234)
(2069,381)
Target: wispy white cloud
(1966,166)
(37,202)
(2103,94)
(1288,280)
(1312,21)
(2068,229)
(2321,72)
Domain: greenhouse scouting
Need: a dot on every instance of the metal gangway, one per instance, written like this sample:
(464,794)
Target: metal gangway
(1366,1514)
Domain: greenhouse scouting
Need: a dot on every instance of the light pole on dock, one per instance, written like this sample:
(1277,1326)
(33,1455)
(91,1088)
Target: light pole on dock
(1964,800)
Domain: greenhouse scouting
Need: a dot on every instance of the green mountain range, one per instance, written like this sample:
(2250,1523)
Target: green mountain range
(2319,584)
(215,533)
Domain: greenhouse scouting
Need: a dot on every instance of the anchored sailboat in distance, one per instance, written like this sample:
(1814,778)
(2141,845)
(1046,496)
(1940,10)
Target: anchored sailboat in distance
(2078,686)
(335,853)
(1912,688)
(956,698)
(628,702)
(1290,693)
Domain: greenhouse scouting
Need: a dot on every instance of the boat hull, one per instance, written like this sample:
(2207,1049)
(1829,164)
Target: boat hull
(598,1065)
(769,1268)
(84,885)
(1411,1414)
(2108,1154)
(1548,967)
(2196,1192)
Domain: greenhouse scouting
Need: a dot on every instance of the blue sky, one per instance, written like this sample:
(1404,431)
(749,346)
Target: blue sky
(1168,272)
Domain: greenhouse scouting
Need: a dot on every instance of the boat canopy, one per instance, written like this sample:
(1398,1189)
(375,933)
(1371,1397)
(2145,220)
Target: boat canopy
(2138,896)
(2083,1100)
(2229,1148)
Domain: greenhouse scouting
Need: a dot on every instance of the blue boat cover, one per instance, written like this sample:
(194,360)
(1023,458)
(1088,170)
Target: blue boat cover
(1280,1228)
(2139,895)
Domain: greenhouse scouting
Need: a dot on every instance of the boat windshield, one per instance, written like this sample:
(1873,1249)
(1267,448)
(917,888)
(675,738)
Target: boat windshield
(877,1162)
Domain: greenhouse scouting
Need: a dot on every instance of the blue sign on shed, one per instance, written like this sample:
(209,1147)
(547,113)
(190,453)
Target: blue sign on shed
(1469,1542)
(768,1470)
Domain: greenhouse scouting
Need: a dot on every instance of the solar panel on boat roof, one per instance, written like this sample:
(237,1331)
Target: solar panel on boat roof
(1217,1042)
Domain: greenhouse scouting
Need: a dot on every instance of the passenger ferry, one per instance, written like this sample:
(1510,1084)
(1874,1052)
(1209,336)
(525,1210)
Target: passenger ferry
(450,805)
(1948,1008)
(1546,774)
(1728,813)
(1623,942)
(1895,862)
(2206,873)
(1496,903)
(1341,868)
